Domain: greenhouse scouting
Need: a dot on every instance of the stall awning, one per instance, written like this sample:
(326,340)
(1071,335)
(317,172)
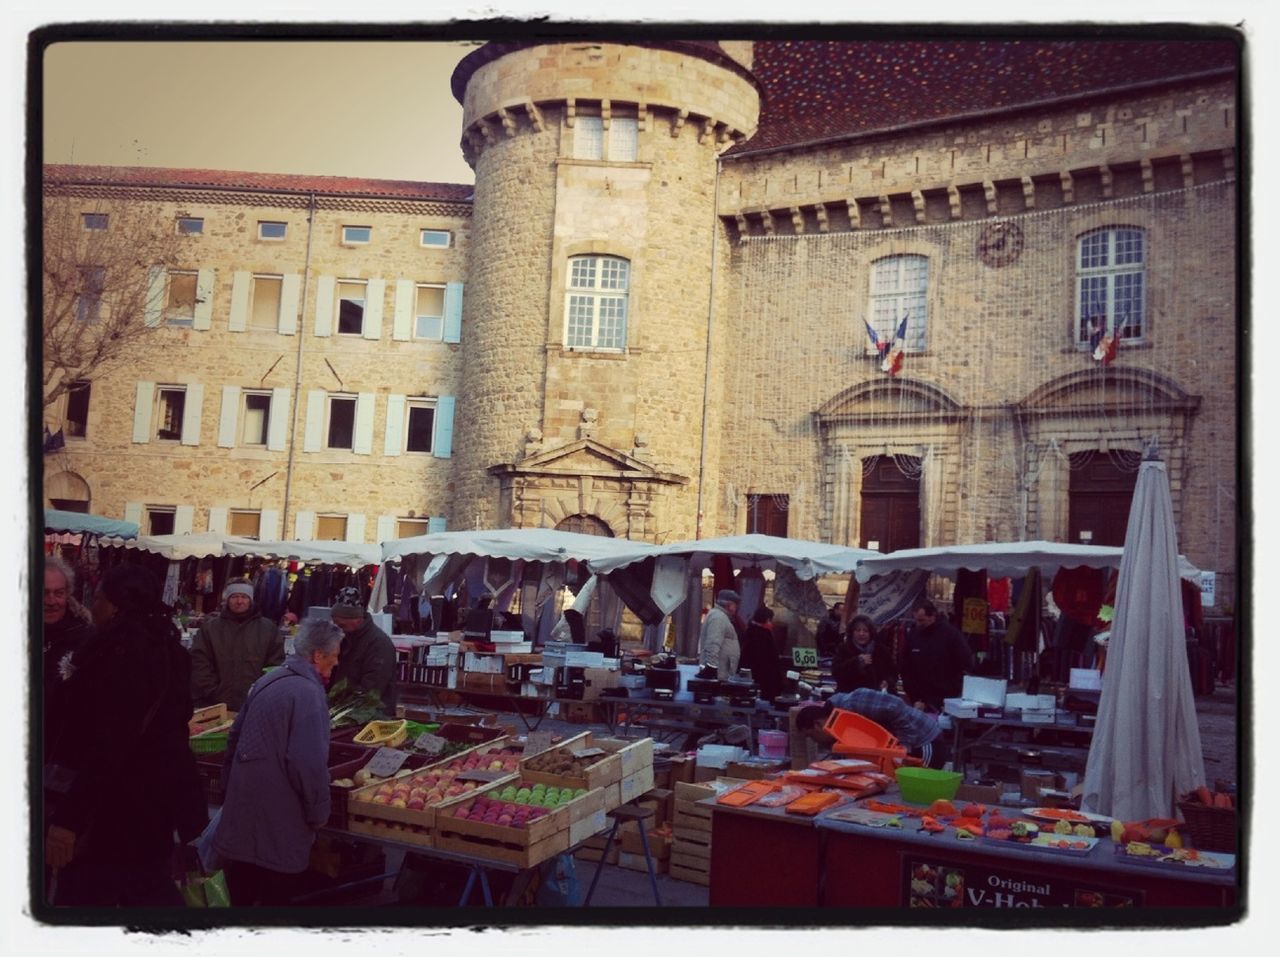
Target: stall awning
(525,544)
(56,520)
(766,552)
(354,554)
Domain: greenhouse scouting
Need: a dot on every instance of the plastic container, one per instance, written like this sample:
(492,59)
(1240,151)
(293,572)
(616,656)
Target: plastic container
(925,785)
(861,737)
(773,744)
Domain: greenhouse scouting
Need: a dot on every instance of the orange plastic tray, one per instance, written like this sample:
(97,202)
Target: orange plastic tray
(811,804)
(748,793)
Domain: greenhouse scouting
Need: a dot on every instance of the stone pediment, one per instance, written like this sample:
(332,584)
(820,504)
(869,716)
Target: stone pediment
(900,398)
(587,457)
(1108,390)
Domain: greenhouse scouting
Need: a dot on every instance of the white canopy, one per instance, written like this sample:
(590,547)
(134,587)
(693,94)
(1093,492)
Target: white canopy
(766,552)
(203,544)
(175,547)
(1003,559)
(526,544)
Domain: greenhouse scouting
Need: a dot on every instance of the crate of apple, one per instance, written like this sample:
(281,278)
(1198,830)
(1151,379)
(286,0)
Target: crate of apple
(515,805)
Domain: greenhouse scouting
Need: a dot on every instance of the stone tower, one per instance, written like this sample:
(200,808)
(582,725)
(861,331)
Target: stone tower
(590,292)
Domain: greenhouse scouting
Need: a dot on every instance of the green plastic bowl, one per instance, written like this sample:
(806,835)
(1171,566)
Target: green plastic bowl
(925,785)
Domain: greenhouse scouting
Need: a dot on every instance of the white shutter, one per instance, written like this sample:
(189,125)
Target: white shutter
(142,411)
(406,296)
(278,424)
(290,291)
(355,528)
(133,513)
(364,423)
(241,283)
(304,526)
(436,523)
(325,288)
(315,420)
(386,528)
(204,299)
(157,288)
(395,425)
(218,519)
(442,447)
(183,519)
(375,294)
(453,312)
(269,525)
(192,410)
(229,416)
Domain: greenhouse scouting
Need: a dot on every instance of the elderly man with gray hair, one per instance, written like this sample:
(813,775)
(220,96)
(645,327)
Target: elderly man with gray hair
(718,640)
(276,774)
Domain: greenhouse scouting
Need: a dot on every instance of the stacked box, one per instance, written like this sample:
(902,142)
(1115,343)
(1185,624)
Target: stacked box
(662,802)
(625,772)
(482,663)
(592,849)
(520,667)
(484,682)
(691,834)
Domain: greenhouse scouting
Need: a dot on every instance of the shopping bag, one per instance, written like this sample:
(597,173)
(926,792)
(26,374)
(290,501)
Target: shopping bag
(206,890)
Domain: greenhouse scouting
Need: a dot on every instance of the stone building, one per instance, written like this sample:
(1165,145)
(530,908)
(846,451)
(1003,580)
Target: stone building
(839,291)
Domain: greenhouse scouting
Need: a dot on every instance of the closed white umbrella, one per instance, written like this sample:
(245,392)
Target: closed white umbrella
(1146,749)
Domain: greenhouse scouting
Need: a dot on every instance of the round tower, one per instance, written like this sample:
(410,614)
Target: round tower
(589,288)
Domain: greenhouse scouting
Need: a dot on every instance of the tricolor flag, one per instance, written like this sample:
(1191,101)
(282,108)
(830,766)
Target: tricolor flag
(893,360)
(1105,351)
(875,340)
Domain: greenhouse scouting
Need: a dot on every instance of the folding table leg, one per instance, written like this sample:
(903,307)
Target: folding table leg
(608,843)
(648,862)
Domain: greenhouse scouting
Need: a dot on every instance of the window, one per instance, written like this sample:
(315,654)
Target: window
(171,401)
(331,528)
(264,302)
(160,519)
(93,280)
(77,418)
(356,235)
(588,138)
(596,311)
(256,419)
(180,304)
(1111,283)
(767,515)
(436,237)
(351,308)
(271,230)
(342,422)
(244,523)
(428,315)
(617,144)
(93,221)
(420,424)
(899,285)
(190,226)
(623,139)
(409,527)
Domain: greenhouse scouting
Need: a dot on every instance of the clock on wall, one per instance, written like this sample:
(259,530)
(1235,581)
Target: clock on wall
(1000,244)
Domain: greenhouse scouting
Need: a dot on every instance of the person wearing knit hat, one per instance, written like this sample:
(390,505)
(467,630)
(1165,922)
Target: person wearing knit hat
(231,650)
(367,658)
(718,645)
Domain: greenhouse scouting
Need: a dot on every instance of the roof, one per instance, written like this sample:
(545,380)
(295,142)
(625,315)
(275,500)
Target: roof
(815,90)
(269,182)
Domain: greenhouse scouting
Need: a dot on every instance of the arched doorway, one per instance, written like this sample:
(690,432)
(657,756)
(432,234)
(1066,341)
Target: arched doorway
(1100,492)
(601,613)
(67,491)
(890,503)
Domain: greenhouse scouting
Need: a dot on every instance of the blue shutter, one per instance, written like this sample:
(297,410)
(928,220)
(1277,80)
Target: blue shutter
(436,523)
(443,446)
(453,312)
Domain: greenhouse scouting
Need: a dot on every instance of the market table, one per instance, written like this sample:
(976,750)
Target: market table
(431,694)
(693,716)
(1000,735)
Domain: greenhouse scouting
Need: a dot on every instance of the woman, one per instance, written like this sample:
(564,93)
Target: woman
(122,777)
(276,775)
(760,654)
(862,660)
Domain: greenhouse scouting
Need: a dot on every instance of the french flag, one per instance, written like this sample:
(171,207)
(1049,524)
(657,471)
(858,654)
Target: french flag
(879,346)
(893,360)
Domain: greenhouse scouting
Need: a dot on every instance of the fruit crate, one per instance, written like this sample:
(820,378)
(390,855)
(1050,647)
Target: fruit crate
(208,718)
(622,759)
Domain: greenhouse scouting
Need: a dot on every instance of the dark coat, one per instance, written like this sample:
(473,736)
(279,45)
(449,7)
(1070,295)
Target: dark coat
(367,660)
(761,656)
(934,663)
(123,742)
(828,635)
(228,656)
(851,673)
(60,640)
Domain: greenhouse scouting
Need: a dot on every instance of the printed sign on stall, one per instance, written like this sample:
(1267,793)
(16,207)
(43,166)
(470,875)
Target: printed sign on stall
(804,657)
(934,884)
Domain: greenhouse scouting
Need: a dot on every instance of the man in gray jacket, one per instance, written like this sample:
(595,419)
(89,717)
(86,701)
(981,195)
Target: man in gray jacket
(231,649)
(718,641)
(276,775)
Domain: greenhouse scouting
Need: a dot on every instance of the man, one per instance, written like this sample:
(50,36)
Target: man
(934,660)
(231,649)
(367,659)
(916,730)
(829,631)
(718,640)
(66,622)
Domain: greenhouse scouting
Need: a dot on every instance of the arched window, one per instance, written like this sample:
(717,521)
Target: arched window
(1111,283)
(899,293)
(596,303)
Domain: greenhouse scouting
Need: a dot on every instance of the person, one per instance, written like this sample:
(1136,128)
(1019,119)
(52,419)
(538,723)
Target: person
(935,659)
(67,626)
(916,730)
(122,777)
(760,654)
(368,658)
(828,637)
(231,649)
(275,776)
(862,660)
(718,645)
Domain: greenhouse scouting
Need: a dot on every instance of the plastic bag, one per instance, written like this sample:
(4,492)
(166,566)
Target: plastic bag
(559,883)
(206,890)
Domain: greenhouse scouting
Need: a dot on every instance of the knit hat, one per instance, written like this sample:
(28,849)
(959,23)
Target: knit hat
(726,595)
(347,604)
(238,588)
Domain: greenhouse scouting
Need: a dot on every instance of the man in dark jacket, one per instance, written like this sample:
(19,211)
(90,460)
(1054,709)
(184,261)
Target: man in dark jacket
(231,650)
(828,636)
(935,659)
(367,659)
(66,628)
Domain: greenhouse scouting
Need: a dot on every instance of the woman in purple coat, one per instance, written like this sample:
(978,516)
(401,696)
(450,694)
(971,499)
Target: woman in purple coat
(276,775)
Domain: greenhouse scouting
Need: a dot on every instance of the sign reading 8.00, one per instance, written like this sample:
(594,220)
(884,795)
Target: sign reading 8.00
(804,657)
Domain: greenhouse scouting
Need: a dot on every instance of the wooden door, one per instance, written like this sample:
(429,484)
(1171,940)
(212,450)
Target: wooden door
(891,504)
(1100,496)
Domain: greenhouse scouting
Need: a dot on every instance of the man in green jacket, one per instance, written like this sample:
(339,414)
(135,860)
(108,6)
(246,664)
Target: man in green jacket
(231,650)
(367,658)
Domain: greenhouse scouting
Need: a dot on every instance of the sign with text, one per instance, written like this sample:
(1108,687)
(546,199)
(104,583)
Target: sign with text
(430,743)
(482,776)
(929,884)
(1208,588)
(974,621)
(589,752)
(804,657)
(538,742)
(386,762)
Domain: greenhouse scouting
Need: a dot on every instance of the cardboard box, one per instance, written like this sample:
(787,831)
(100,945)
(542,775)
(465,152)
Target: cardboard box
(1034,780)
(979,793)
(960,707)
(989,691)
(1085,679)
(754,769)
(663,803)
(629,842)
(596,680)
(682,769)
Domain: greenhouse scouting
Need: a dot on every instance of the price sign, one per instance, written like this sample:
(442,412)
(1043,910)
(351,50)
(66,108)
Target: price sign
(804,657)
(482,776)
(974,620)
(589,752)
(430,743)
(538,742)
(386,762)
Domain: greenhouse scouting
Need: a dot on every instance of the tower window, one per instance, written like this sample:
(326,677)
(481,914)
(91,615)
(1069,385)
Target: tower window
(596,302)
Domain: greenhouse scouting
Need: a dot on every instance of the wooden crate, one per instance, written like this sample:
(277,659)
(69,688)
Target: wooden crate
(625,759)
(596,854)
(688,844)
(691,876)
(210,718)
(690,862)
(629,788)
(635,862)
(388,831)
